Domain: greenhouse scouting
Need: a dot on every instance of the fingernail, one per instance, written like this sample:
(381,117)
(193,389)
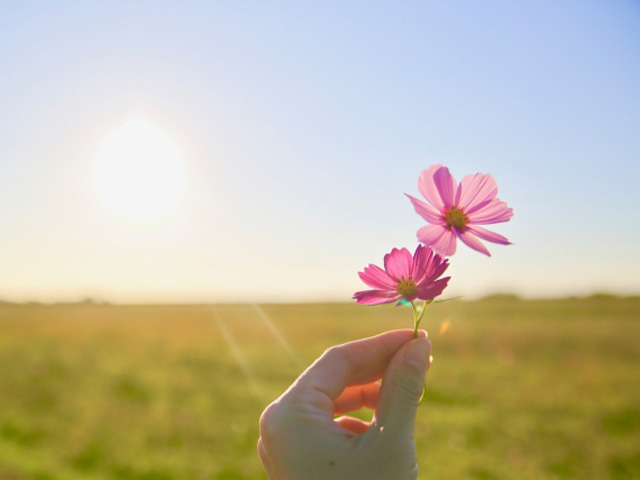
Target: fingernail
(417,353)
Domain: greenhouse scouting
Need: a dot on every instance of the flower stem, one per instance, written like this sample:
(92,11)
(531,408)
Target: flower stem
(416,322)
(416,319)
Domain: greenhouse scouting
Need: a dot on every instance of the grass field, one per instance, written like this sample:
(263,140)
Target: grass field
(518,389)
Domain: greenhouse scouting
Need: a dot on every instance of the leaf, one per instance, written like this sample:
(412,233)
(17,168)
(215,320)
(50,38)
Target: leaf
(448,299)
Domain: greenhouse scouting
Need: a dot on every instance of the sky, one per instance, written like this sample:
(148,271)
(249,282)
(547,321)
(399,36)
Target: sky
(279,139)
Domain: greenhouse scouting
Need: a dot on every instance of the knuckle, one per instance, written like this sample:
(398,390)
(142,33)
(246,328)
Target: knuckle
(337,356)
(410,382)
(269,421)
(332,352)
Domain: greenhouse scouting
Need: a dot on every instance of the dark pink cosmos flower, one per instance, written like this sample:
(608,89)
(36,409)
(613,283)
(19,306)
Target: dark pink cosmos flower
(404,277)
(456,211)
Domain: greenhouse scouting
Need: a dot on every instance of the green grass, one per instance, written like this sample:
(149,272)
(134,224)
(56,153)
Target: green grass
(518,389)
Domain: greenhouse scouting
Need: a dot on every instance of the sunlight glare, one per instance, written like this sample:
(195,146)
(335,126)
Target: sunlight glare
(139,173)
(238,355)
(276,333)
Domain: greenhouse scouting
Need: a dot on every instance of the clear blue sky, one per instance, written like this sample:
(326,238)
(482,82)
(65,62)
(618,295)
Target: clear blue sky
(301,125)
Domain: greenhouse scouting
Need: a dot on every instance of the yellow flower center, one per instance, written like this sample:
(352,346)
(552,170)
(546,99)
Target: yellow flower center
(406,287)
(455,217)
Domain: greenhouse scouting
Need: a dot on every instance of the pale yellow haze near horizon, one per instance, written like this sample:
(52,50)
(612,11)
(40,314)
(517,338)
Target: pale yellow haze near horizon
(139,173)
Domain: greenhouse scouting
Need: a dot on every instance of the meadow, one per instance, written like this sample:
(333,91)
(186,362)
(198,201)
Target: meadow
(544,389)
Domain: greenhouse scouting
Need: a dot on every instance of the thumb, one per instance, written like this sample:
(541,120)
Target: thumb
(402,386)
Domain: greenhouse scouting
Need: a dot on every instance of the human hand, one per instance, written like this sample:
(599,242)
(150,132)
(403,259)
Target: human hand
(301,440)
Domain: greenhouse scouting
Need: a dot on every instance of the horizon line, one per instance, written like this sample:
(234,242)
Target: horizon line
(494,296)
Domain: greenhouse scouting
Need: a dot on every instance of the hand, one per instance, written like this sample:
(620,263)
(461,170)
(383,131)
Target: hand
(301,440)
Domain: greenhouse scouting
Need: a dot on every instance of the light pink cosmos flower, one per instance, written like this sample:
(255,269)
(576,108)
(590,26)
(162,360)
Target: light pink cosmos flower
(456,211)
(404,277)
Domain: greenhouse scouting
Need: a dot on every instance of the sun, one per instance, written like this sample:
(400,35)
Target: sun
(139,173)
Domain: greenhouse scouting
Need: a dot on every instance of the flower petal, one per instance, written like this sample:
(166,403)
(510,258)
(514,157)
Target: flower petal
(446,185)
(427,187)
(420,263)
(432,290)
(375,297)
(398,263)
(427,266)
(426,211)
(475,190)
(440,238)
(436,268)
(495,211)
(375,277)
(470,239)
(489,236)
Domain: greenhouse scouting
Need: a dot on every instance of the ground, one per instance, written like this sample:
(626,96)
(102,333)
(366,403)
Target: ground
(544,389)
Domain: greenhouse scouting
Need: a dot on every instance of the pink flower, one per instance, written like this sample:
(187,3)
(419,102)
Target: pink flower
(457,210)
(404,277)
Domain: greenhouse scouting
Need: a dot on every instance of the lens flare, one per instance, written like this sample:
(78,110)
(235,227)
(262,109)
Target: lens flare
(238,356)
(444,326)
(276,333)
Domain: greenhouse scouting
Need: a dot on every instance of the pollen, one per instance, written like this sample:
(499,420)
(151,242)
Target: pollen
(406,287)
(455,217)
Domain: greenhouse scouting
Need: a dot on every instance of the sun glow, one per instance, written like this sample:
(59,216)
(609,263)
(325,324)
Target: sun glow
(139,173)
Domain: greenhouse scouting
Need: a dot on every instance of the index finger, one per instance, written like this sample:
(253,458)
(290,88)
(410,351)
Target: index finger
(355,397)
(353,363)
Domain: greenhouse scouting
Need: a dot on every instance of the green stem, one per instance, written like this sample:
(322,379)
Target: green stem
(416,322)
(418,317)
